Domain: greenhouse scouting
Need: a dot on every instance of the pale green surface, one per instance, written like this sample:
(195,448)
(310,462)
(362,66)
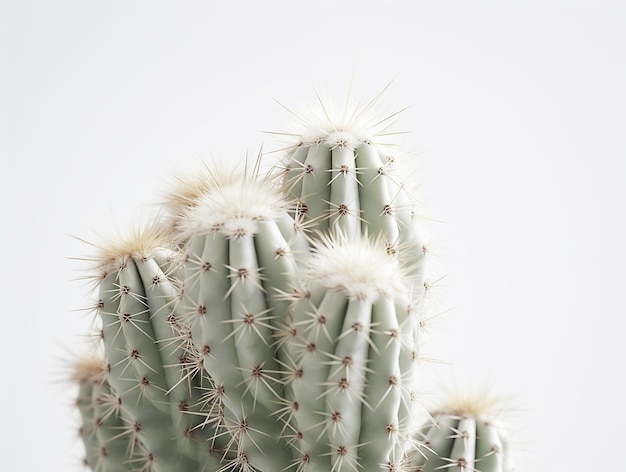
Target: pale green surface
(384,399)
(455,440)
(359,191)
(138,378)
(368,405)
(118,456)
(315,190)
(235,310)
(85,407)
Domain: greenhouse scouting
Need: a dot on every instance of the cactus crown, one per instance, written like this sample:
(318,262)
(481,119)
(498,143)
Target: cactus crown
(362,267)
(483,405)
(141,242)
(347,125)
(230,203)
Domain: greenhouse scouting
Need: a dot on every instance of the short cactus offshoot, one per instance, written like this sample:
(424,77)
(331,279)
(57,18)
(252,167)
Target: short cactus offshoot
(271,323)
(465,436)
(106,449)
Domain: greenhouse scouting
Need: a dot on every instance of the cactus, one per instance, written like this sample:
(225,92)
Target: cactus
(343,174)
(465,435)
(238,261)
(109,448)
(150,360)
(272,323)
(351,358)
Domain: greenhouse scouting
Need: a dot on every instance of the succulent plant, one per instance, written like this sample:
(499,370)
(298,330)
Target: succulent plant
(465,435)
(238,262)
(345,172)
(107,449)
(271,322)
(350,397)
(152,368)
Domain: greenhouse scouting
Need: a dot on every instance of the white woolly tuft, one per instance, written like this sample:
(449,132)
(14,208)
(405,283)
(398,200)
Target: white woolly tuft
(361,267)
(347,125)
(234,207)
(183,192)
(473,402)
(89,369)
(141,241)
(186,188)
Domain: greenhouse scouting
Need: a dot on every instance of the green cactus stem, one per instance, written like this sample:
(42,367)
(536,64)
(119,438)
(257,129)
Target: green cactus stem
(464,436)
(238,239)
(161,396)
(351,355)
(107,448)
(344,174)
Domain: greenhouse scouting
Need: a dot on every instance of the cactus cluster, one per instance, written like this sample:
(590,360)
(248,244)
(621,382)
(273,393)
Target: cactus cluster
(271,322)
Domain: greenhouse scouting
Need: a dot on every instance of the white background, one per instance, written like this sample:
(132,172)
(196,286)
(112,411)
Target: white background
(518,116)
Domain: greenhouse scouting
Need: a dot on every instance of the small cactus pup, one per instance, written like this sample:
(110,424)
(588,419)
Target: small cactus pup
(86,373)
(465,436)
(345,171)
(107,450)
(152,369)
(238,262)
(350,396)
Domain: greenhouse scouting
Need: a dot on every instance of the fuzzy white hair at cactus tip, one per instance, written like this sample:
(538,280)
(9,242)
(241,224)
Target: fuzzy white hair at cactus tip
(234,204)
(344,124)
(363,267)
